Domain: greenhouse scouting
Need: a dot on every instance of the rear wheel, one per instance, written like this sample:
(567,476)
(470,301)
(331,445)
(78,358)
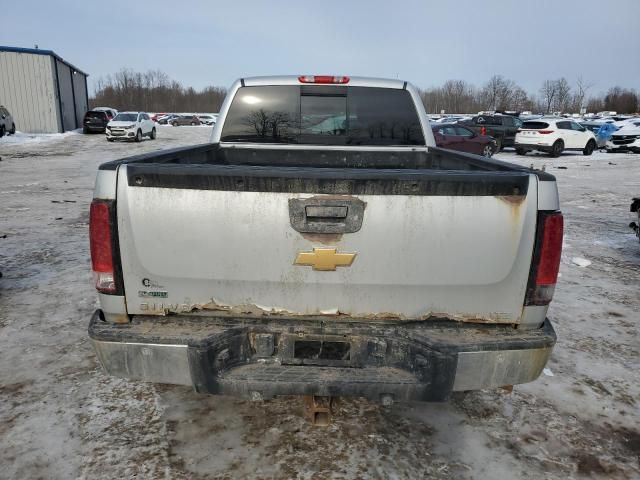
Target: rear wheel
(153,133)
(487,151)
(139,136)
(13,129)
(193,124)
(498,145)
(521,151)
(589,148)
(109,139)
(175,124)
(557,148)
(85,130)
(1,131)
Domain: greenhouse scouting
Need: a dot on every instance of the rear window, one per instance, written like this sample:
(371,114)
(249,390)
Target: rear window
(487,120)
(102,115)
(323,115)
(534,125)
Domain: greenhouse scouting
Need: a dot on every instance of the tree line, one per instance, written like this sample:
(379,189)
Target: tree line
(155,91)
(499,93)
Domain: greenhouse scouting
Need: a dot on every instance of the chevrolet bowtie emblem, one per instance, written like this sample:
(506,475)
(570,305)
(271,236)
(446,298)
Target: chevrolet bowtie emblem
(326,259)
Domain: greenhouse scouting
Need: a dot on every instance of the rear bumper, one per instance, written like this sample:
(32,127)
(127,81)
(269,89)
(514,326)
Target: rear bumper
(256,358)
(534,146)
(95,128)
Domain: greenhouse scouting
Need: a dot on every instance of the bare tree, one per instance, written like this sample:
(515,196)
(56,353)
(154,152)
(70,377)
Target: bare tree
(621,100)
(549,92)
(154,91)
(563,95)
(579,98)
(498,93)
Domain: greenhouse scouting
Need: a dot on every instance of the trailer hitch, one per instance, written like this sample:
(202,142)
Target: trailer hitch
(319,409)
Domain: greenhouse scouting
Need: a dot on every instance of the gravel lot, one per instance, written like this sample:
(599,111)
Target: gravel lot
(61,417)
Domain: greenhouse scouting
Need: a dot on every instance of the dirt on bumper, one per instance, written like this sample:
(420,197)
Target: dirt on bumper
(258,358)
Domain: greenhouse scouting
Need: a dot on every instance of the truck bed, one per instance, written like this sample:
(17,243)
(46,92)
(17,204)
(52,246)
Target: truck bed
(432,158)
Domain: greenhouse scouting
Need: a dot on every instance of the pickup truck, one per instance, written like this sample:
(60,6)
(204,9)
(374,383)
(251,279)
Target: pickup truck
(321,244)
(501,127)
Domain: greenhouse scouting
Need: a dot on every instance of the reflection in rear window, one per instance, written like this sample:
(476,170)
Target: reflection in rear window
(487,120)
(534,125)
(323,115)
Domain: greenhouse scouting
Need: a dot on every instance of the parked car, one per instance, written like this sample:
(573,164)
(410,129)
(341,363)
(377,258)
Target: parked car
(111,112)
(156,116)
(602,131)
(356,261)
(626,139)
(185,120)
(635,210)
(7,124)
(95,121)
(207,119)
(554,136)
(166,119)
(131,126)
(501,127)
(456,137)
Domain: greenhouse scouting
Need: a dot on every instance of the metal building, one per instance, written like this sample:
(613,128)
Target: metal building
(43,92)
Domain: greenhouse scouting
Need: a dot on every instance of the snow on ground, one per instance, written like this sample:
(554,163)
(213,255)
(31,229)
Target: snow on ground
(20,138)
(61,417)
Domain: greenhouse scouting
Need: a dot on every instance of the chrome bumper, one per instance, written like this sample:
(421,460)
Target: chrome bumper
(417,361)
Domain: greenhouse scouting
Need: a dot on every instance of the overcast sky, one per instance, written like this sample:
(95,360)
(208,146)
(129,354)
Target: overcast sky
(200,42)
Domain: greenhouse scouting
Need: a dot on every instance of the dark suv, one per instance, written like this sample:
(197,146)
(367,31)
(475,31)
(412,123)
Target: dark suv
(6,122)
(95,121)
(501,127)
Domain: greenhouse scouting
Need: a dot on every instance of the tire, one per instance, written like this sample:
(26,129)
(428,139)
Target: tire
(110,139)
(193,124)
(521,151)
(556,149)
(85,130)
(13,129)
(153,133)
(138,136)
(2,131)
(487,151)
(175,124)
(498,145)
(589,148)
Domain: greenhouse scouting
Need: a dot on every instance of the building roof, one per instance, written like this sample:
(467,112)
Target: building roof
(37,51)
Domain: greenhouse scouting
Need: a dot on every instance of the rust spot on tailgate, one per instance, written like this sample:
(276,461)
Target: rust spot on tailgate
(512,199)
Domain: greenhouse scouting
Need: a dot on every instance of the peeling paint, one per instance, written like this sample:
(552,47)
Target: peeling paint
(253,310)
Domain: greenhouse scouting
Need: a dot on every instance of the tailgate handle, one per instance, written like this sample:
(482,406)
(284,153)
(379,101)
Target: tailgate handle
(326,215)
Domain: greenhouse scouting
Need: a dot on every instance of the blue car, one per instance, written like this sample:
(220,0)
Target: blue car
(602,131)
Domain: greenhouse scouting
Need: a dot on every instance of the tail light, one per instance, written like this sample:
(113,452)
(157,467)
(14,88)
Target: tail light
(545,132)
(104,250)
(483,131)
(322,79)
(546,259)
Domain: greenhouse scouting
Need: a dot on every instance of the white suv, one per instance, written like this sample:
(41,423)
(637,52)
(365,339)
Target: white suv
(554,135)
(131,126)
(627,139)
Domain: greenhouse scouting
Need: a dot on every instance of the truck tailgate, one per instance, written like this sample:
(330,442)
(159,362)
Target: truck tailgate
(404,244)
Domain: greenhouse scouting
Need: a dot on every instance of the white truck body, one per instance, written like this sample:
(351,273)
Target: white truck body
(279,236)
